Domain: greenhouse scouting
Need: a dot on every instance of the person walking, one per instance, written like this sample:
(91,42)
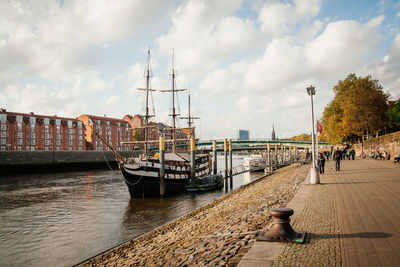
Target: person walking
(321,163)
(337,156)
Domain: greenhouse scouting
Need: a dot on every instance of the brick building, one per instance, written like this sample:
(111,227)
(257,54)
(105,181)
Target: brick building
(21,131)
(114,131)
(137,121)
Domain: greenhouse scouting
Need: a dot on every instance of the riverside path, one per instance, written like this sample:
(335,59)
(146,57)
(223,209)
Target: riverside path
(352,219)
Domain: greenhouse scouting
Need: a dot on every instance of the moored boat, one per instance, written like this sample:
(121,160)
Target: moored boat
(142,175)
(255,162)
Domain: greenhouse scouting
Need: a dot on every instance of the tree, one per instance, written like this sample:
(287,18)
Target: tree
(301,137)
(138,135)
(359,107)
(394,115)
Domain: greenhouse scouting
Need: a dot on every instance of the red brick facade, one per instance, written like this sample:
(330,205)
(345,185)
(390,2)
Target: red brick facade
(20,131)
(113,131)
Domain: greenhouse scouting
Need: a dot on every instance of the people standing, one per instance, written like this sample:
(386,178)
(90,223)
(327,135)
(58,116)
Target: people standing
(321,163)
(337,156)
(353,154)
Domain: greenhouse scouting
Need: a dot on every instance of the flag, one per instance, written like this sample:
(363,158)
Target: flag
(319,127)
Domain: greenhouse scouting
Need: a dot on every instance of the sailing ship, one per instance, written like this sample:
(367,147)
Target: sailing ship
(142,174)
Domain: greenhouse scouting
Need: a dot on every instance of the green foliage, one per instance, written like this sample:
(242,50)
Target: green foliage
(359,107)
(394,115)
(301,137)
(138,134)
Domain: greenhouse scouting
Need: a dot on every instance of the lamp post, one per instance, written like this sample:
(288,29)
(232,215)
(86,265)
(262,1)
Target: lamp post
(314,175)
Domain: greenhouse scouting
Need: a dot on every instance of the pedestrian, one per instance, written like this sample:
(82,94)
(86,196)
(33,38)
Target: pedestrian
(353,154)
(321,163)
(337,156)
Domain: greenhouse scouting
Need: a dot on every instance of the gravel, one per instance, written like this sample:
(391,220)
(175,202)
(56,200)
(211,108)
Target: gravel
(218,234)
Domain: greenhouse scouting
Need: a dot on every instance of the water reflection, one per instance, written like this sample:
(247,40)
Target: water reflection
(62,219)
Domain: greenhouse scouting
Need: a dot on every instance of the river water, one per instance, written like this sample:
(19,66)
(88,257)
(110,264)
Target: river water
(64,218)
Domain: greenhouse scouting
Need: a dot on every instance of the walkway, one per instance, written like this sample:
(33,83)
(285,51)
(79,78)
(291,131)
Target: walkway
(352,219)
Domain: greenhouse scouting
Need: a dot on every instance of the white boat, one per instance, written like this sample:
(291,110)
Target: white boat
(255,162)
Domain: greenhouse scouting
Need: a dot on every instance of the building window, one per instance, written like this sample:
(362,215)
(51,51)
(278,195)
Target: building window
(32,142)
(80,143)
(3,148)
(33,148)
(3,141)
(58,149)
(70,143)
(19,134)
(33,135)
(70,137)
(46,142)
(19,142)
(46,136)
(3,134)
(58,142)
(3,118)
(19,148)
(3,127)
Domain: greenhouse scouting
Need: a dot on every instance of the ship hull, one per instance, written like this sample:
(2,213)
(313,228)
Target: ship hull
(149,186)
(143,177)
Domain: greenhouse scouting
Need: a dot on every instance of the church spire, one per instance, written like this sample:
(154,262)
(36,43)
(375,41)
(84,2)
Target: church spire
(273,133)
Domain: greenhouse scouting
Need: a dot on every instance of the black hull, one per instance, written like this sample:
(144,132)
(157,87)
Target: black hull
(148,186)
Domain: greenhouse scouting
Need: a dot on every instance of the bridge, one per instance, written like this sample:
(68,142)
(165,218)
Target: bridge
(255,144)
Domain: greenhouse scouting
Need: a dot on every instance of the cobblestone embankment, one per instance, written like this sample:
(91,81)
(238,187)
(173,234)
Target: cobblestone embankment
(218,234)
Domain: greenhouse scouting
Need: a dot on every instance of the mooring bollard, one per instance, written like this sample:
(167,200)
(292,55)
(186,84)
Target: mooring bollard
(193,162)
(214,157)
(280,230)
(230,164)
(162,167)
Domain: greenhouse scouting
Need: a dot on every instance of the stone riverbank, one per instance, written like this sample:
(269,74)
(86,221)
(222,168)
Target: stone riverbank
(217,234)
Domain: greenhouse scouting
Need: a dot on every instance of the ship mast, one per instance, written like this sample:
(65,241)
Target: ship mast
(174,114)
(148,75)
(190,119)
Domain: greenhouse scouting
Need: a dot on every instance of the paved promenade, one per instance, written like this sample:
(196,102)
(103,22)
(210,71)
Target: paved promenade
(352,219)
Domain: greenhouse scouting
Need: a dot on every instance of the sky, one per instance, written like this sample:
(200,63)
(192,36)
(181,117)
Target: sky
(246,63)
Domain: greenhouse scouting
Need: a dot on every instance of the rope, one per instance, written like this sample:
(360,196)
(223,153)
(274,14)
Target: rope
(133,183)
(106,160)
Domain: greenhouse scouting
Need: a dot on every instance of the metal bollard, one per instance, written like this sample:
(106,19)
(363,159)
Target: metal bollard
(280,230)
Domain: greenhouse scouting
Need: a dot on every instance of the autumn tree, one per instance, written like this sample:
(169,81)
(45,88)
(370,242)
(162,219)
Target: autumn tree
(359,107)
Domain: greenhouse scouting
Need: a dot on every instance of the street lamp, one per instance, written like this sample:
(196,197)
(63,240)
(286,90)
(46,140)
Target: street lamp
(314,174)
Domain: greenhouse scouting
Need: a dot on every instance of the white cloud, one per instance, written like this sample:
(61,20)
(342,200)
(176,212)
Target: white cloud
(343,45)
(46,39)
(204,34)
(279,18)
(387,70)
(269,86)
